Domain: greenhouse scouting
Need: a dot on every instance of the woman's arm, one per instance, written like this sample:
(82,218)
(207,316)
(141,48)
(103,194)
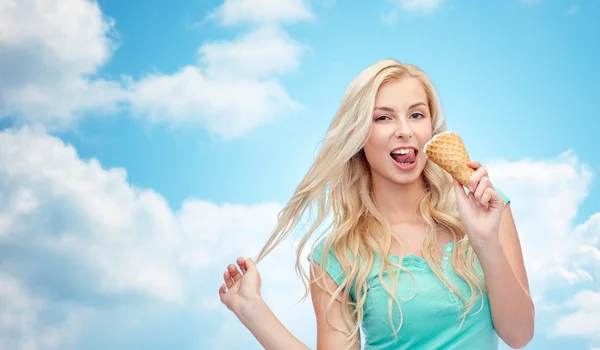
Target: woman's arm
(241,294)
(267,328)
(512,308)
(328,335)
(493,235)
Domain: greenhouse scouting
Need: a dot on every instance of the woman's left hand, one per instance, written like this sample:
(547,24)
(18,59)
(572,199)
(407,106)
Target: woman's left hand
(481,210)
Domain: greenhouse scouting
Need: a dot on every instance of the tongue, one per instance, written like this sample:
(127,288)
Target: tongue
(406,158)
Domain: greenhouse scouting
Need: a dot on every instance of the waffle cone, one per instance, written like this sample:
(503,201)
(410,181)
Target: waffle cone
(449,153)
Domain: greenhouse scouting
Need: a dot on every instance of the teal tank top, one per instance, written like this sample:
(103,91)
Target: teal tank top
(431,311)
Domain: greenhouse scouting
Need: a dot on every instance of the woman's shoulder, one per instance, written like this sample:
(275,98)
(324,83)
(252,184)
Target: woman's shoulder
(327,259)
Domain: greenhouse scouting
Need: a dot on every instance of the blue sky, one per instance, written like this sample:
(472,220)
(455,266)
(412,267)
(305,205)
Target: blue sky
(143,146)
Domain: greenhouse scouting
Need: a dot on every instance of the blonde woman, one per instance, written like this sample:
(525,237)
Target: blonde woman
(407,255)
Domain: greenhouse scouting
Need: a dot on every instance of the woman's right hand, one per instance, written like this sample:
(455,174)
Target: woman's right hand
(241,290)
(241,294)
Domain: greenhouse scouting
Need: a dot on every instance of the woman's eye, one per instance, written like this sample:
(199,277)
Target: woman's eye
(382,117)
(417,115)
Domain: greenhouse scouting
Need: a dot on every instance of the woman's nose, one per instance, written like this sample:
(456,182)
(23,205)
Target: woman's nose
(403,130)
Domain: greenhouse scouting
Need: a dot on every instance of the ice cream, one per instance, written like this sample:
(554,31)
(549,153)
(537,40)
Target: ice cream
(449,153)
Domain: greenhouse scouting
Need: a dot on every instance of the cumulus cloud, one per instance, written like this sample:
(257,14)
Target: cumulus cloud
(546,195)
(51,53)
(410,7)
(20,316)
(234,86)
(414,6)
(235,12)
(81,243)
(82,249)
(231,91)
(561,256)
(420,5)
(584,318)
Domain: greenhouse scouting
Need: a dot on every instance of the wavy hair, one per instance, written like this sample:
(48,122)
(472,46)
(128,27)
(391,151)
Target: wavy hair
(337,189)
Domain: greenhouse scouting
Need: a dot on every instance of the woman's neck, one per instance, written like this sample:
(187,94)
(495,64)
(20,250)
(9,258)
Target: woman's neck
(399,203)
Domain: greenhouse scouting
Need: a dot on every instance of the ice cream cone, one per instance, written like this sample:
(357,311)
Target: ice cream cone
(449,153)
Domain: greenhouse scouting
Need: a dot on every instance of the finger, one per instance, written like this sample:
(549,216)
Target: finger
(235,273)
(476,177)
(482,186)
(486,197)
(474,164)
(250,264)
(459,189)
(227,279)
(242,264)
(495,200)
(223,293)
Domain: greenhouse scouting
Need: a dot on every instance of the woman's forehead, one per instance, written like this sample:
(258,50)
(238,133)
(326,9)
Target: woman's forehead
(401,94)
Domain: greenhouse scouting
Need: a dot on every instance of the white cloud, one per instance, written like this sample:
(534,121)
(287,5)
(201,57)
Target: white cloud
(546,195)
(562,258)
(581,312)
(232,91)
(111,241)
(234,12)
(419,5)
(585,320)
(114,243)
(410,7)
(260,53)
(20,317)
(87,213)
(50,51)
(127,240)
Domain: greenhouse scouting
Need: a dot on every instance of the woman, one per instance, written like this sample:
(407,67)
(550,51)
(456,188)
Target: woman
(408,255)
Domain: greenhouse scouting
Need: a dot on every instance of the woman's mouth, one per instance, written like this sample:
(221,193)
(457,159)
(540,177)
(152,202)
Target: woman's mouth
(405,158)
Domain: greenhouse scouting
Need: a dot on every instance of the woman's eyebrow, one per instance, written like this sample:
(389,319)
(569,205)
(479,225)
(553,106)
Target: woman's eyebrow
(389,109)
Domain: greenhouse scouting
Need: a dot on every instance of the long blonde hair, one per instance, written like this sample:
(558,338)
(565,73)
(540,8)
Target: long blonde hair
(338,187)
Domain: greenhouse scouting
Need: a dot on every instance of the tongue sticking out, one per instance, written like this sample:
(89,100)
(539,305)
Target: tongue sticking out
(405,158)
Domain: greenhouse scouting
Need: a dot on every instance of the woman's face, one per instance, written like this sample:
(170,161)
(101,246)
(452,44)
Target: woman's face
(401,127)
